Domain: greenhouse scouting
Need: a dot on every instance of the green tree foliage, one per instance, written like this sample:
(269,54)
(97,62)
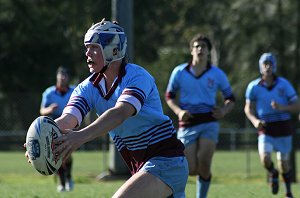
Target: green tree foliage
(38,35)
(241,31)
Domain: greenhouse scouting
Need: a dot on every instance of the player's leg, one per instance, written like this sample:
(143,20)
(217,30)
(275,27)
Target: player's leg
(206,147)
(68,173)
(145,185)
(159,177)
(61,178)
(189,137)
(205,156)
(265,148)
(190,152)
(284,164)
(284,146)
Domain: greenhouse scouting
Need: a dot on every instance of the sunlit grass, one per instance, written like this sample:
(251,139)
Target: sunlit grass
(235,174)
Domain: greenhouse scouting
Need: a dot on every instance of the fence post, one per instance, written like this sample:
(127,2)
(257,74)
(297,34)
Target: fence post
(293,157)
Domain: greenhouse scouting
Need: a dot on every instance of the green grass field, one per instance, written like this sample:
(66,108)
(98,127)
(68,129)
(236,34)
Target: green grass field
(235,175)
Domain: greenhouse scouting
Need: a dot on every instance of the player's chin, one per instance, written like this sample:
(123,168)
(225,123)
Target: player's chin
(91,70)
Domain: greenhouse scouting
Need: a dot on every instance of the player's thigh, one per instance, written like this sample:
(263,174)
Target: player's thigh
(190,152)
(265,158)
(265,148)
(283,161)
(206,149)
(143,184)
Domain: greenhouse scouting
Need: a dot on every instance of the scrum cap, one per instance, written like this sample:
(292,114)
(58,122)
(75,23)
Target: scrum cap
(267,57)
(110,37)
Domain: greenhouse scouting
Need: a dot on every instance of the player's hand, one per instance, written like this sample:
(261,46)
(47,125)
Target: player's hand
(218,112)
(259,124)
(26,153)
(276,106)
(66,144)
(53,107)
(184,115)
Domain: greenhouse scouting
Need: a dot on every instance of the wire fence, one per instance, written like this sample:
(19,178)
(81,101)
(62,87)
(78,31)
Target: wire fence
(20,109)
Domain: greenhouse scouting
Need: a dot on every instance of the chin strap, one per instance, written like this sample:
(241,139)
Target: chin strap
(103,69)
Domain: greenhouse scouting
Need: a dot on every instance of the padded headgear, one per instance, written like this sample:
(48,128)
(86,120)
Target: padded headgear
(267,57)
(110,37)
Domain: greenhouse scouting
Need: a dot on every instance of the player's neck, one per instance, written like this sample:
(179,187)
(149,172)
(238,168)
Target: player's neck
(268,79)
(111,73)
(61,86)
(199,66)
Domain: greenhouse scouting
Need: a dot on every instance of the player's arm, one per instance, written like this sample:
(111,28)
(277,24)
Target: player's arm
(292,107)
(250,113)
(48,110)
(66,121)
(220,112)
(109,120)
(182,114)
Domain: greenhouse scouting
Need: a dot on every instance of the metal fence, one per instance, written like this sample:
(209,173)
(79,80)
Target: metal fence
(19,110)
(229,139)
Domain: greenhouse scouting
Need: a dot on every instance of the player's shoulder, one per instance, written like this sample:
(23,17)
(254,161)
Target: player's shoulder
(72,87)
(86,83)
(215,68)
(254,82)
(282,79)
(50,89)
(134,70)
(89,80)
(181,67)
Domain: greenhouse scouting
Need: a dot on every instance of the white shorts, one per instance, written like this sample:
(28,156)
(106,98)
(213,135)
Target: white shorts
(282,145)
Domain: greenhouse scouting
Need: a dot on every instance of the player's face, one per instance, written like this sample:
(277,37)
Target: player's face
(62,78)
(267,68)
(200,50)
(94,56)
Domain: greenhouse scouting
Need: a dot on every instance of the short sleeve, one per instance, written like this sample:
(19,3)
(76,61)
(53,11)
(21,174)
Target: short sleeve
(249,95)
(225,86)
(137,89)
(79,104)
(291,92)
(173,84)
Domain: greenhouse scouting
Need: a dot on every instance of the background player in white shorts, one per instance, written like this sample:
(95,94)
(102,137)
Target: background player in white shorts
(269,101)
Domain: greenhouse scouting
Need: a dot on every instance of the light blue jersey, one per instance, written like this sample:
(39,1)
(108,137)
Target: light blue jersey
(148,133)
(54,95)
(198,94)
(281,92)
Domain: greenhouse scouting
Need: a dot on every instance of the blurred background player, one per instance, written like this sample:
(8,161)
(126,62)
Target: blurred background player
(54,100)
(198,82)
(269,101)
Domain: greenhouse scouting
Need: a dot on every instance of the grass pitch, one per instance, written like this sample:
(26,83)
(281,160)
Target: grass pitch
(235,175)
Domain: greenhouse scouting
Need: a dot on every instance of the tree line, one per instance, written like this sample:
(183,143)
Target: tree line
(38,35)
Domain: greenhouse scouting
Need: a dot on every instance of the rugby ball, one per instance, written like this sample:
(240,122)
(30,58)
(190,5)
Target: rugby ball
(39,145)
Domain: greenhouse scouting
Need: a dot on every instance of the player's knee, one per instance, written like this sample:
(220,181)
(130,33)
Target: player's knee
(204,165)
(266,161)
(284,166)
(193,170)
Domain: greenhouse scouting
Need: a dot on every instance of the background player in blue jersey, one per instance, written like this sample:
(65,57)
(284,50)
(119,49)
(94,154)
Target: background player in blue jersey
(54,100)
(198,82)
(127,102)
(269,101)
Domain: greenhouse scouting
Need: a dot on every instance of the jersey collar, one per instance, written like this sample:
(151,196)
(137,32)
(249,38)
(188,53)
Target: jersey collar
(263,83)
(97,77)
(189,66)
